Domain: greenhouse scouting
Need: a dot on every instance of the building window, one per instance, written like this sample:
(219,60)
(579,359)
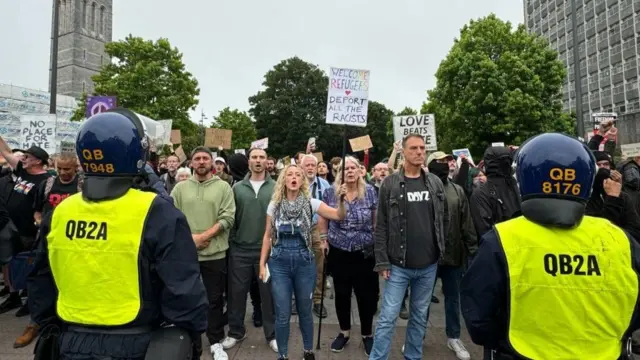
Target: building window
(92,23)
(101,22)
(618,89)
(84,14)
(606,92)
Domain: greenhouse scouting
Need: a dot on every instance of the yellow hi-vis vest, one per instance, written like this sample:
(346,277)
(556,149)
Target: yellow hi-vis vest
(94,249)
(572,291)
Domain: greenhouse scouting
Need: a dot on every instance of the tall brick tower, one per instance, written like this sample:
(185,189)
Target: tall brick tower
(85,26)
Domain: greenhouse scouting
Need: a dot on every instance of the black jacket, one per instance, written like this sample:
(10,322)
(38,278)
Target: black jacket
(391,224)
(170,283)
(498,199)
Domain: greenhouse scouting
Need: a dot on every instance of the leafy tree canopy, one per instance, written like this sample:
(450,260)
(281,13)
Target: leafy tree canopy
(149,78)
(244,130)
(497,85)
(291,108)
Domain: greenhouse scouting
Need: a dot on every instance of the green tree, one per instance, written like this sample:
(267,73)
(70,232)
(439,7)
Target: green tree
(497,85)
(149,78)
(378,124)
(244,130)
(291,108)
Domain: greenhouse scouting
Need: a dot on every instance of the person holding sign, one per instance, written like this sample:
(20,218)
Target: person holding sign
(529,292)
(117,260)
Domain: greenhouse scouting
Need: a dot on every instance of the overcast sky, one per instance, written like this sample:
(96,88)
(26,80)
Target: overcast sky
(230,45)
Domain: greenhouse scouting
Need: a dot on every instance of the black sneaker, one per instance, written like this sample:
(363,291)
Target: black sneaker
(339,343)
(435,300)
(309,355)
(23,311)
(12,302)
(368,344)
(404,312)
(319,310)
(5,291)
(257,317)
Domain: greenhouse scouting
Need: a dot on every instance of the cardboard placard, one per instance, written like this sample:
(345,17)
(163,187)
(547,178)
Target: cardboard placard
(215,138)
(361,143)
(630,150)
(318,156)
(176,137)
(180,154)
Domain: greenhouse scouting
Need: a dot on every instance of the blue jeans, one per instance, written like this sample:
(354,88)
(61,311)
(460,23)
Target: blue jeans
(293,271)
(422,282)
(451,277)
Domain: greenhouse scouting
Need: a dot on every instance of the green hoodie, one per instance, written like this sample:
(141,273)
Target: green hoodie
(251,213)
(205,204)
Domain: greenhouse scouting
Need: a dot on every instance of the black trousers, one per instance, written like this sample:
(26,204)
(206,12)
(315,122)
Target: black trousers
(214,277)
(352,272)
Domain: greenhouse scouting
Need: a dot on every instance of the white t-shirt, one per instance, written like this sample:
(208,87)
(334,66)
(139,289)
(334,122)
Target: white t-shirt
(256,185)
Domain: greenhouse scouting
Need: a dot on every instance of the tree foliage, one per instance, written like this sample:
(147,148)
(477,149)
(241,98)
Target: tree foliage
(150,78)
(291,108)
(497,85)
(244,130)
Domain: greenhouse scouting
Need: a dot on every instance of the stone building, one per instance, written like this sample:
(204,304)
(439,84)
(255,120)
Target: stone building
(85,26)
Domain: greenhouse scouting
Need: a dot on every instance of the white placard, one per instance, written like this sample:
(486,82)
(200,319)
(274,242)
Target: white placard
(348,97)
(38,130)
(630,150)
(497,144)
(240,151)
(260,144)
(423,125)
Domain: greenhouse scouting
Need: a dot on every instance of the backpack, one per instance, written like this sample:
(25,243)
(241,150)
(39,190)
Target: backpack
(52,179)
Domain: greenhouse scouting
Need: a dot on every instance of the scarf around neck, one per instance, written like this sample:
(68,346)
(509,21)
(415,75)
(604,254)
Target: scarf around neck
(297,212)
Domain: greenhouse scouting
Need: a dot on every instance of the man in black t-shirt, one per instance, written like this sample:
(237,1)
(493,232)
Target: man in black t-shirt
(27,175)
(54,190)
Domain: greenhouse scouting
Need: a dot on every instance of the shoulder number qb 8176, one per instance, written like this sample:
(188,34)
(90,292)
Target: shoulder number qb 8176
(563,182)
(96,154)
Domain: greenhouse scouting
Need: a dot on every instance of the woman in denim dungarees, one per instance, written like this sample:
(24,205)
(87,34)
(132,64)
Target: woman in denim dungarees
(287,246)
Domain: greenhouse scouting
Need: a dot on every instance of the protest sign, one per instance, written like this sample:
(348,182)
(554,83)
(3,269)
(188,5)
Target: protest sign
(318,156)
(348,97)
(464,152)
(240,151)
(260,144)
(423,125)
(180,154)
(497,144)
(175,137)
(38,130)
(67,147)
(630,150)
(215,138)
(361,143)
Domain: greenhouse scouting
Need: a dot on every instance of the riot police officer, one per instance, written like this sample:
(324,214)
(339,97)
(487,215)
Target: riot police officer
(553,283)
(116,261)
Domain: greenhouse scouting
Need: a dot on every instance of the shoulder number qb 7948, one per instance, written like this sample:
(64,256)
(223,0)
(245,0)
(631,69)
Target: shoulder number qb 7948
(563,182)
(90,166)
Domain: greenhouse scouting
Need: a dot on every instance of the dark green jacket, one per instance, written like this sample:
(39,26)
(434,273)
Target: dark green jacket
(462,241)
(251,213)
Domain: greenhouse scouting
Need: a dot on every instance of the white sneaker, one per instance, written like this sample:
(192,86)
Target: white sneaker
(230,342)
(457,347)
(273,344)
(218,352)
(403,349)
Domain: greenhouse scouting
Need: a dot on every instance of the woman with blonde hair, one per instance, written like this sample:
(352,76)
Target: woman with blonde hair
(287,246)
(351,259)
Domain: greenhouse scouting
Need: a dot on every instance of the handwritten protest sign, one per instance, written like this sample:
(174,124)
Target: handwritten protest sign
(318,156)
(630,150)
(215,138)
(175,137)
(67,147)
(38,130)
(180,154)
(361,143)
(423,125)
(348,97)
(260,144)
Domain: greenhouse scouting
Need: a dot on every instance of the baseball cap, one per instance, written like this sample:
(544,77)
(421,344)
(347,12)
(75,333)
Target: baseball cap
(38,152)
(219,159)
(438,155)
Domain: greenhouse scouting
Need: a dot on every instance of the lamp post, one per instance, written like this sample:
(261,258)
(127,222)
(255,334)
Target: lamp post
(53,86)
(576,71)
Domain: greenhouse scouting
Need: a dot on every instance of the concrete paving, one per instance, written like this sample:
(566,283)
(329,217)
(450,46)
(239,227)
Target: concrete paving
(255,347)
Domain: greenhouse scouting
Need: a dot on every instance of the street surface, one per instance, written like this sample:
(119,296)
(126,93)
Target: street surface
(255,347)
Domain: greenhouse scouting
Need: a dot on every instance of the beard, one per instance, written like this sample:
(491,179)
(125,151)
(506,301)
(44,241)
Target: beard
(202,171)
